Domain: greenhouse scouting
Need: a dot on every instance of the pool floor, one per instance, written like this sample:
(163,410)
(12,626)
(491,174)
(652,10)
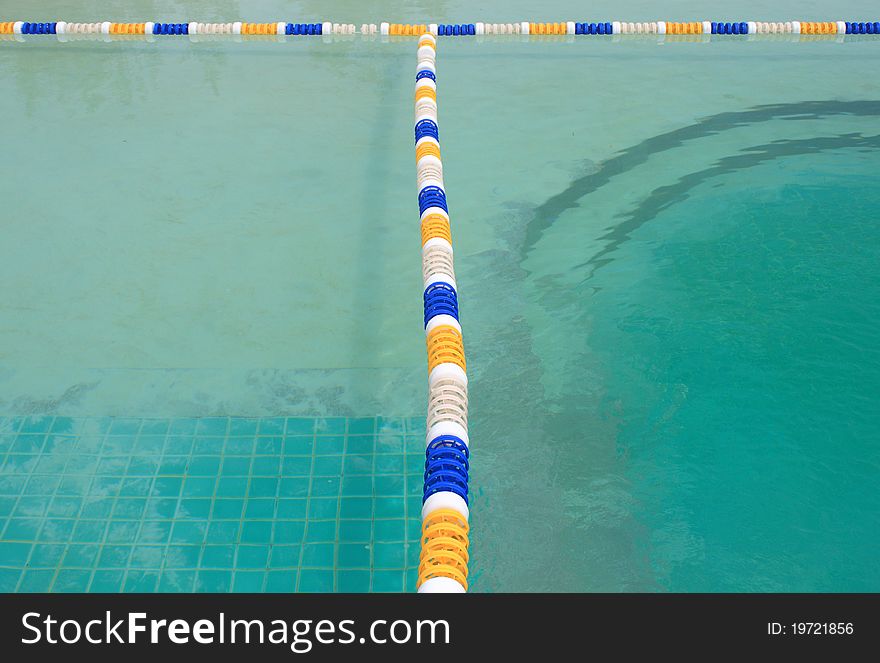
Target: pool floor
(211,505)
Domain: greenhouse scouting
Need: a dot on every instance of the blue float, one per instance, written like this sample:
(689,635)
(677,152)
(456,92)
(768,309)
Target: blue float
(432,196)
(446,467)
(426,128)
(440,299)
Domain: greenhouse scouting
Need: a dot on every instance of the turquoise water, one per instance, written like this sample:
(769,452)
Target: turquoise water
(667,261)
(737,378)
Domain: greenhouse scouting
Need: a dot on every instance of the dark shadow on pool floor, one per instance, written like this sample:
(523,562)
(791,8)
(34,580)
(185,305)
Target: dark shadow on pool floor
(547,212)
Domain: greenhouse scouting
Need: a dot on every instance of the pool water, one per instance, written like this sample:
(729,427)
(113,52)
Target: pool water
(212,371)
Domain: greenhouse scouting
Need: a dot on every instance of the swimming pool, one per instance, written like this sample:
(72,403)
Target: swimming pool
(212,363)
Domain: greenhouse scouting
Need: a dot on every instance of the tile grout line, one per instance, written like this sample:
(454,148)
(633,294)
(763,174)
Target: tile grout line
(39,531)
(6,460)
(75,519)
(305,533)
(115,501)
(336,543)
(167,546)
(142,519)
(78,519)
(244,499)
(373,498)
(277,505)
(12,511)
(213,499)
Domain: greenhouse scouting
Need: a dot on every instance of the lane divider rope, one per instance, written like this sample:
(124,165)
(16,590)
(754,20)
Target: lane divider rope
(386,29)
(443,561)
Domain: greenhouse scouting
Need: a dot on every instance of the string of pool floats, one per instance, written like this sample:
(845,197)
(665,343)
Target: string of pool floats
(153,29)
(443,560)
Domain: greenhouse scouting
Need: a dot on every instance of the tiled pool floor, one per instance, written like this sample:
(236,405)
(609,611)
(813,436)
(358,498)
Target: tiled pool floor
(213,504)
